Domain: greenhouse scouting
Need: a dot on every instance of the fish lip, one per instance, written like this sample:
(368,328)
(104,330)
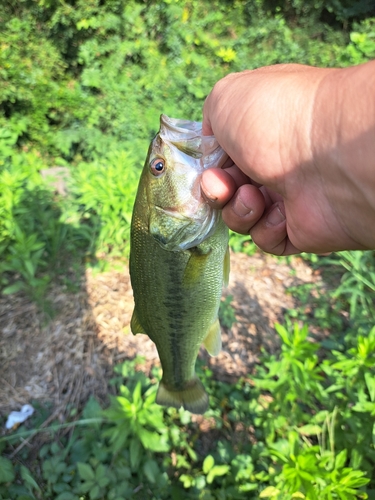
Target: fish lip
(208,224)
(173,212)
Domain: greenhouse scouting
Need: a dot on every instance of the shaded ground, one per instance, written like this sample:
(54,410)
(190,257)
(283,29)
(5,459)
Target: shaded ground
(66,359)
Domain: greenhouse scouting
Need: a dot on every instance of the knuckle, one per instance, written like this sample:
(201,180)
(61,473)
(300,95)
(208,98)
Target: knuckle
(269,239)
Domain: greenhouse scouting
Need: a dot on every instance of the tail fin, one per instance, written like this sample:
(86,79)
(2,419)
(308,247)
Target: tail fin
(193,398)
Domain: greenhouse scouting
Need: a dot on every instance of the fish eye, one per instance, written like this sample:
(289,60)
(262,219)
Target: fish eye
(157,166)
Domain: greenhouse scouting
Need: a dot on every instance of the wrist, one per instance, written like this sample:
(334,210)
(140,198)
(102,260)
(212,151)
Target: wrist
(343,138)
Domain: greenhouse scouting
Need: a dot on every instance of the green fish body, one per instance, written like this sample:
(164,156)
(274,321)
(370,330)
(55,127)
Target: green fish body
(179,259)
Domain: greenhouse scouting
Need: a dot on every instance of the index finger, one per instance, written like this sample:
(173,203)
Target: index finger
(218,186)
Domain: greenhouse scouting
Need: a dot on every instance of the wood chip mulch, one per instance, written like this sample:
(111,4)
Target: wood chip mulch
(66,359)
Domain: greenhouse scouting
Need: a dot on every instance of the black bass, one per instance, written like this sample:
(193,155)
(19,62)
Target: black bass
(179,259)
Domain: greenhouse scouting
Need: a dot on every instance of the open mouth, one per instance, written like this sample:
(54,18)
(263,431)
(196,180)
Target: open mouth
(174,212)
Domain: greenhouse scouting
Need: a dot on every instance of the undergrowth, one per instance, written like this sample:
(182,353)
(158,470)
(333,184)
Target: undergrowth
(300,427)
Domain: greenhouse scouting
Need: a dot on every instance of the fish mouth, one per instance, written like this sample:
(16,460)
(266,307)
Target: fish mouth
(189,232)
(174,212)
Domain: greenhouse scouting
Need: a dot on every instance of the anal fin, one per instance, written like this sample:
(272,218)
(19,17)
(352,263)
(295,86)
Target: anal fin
(135,325)
(212,342)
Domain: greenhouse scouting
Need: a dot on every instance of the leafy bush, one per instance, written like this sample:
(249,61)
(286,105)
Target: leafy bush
(83,87)
(37,97)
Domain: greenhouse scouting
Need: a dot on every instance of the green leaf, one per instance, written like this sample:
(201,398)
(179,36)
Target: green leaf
(135,452)
(340,459)
(310,430)
(217,470)
(28,478)
(370,382)
(283,332)
(95,493)
(16,287)
(153,441)
(92,408)
(7,474)
(137,393)
(187,481)
(22,496)
(208,463)
(29,267)
(200,482)
(85,487)
(269,492)
(101,476)
(67,495)
(151,470)
(61,486)
(86,472)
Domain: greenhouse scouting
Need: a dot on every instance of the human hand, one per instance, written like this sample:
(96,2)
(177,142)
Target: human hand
(282,183)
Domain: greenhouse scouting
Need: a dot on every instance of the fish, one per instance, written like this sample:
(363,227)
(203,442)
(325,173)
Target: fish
(179,259)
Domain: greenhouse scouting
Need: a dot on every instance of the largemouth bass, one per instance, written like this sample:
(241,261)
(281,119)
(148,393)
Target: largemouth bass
(179,259)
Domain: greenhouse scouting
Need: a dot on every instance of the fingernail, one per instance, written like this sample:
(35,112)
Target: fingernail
(208,196)
(240,208)
(275,217)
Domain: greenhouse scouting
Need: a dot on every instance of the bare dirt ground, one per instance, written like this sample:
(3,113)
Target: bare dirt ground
(66,359)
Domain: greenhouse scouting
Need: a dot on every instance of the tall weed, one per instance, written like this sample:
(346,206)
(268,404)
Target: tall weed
(104,195)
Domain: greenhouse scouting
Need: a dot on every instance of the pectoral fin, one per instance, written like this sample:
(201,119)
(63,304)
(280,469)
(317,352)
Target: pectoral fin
(195,266)
(212,342)
(135,325)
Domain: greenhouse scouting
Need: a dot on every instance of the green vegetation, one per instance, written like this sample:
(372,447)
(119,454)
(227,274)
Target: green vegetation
(82,84)
(301,428)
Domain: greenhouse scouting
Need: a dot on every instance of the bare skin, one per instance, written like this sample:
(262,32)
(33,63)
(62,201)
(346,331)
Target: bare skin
(300,174)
